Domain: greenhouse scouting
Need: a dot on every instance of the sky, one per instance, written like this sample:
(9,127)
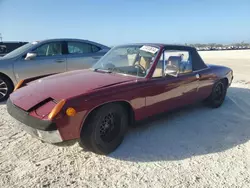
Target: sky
(114,22)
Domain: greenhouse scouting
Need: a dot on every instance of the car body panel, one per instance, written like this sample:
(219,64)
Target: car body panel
(40,66)
(171,92)
(86,90)
(7,70)
(76,61)
(47,87)
(87,60)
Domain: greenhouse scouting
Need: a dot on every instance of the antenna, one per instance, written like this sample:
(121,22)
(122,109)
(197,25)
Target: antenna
(1,38)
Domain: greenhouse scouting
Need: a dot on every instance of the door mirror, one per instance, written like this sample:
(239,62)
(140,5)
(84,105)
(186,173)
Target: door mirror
(171,72)
(173,66)
(30,56)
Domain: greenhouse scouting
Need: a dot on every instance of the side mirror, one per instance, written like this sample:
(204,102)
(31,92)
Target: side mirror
(171,72)
(173,66)
(30,56)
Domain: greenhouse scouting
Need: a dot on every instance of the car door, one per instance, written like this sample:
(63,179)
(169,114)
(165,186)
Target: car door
(171,91)
(82,55)
(49,59)
(206,81)
(168,93)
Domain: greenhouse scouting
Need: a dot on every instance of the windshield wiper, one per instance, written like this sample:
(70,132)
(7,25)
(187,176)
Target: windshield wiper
(102,70)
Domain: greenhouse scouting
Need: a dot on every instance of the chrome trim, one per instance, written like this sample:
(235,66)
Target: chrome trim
(3,89)
(164,64)
(47,136)
(201,69)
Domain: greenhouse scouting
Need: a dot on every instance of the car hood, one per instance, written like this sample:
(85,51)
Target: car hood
(64,86)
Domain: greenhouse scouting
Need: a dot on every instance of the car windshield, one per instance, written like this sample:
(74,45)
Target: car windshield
(133,60)
(19,50)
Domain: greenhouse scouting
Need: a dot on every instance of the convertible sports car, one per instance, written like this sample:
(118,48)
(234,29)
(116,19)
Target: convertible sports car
(128,84)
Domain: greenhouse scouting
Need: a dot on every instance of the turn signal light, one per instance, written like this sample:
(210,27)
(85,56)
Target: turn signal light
(71,112)
(19,84)
(56,109)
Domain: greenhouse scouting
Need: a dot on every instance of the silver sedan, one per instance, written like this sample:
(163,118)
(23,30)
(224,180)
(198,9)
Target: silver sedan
(47,57)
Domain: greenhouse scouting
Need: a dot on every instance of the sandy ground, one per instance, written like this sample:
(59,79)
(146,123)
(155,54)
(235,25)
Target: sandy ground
(195,147)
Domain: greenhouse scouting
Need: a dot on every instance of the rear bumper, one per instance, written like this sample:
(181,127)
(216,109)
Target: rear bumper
(42,129)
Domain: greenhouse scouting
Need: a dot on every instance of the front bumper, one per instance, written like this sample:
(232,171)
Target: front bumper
(42,129)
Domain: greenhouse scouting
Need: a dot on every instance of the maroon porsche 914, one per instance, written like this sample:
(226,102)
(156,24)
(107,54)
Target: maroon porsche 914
(129,83)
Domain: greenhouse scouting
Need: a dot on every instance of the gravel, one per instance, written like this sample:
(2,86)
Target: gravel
(194,147)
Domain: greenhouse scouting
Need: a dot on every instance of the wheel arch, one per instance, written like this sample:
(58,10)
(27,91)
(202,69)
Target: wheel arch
(127,106)
(7,77)
(225,81)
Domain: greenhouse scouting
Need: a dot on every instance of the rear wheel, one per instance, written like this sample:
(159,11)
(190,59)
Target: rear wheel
(105,129)
(6,87)
(218,95)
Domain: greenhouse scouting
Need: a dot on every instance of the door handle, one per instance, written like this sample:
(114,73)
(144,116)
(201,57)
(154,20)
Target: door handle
(59,60)
(96,57)
(197,76)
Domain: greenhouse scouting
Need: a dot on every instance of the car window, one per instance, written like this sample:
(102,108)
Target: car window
(81,48)
(135,60)
(2,49)
(49,49)
(175,61)
(95,48)
(19,50)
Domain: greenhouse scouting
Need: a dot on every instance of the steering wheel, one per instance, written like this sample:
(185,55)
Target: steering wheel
(142,68)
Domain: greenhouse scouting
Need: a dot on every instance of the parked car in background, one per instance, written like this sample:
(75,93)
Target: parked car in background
(128,84)
(47,57)
(7,47)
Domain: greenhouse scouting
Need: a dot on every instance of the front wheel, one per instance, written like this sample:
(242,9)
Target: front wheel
(6,87)
(218,95)
(105,129)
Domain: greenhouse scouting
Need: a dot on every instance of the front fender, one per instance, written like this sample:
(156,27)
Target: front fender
(6,69)
(24,82)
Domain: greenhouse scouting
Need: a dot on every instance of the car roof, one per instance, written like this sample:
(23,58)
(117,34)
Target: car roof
(166,46)
(197,61)
(11,42)
(60,39)
(70,39)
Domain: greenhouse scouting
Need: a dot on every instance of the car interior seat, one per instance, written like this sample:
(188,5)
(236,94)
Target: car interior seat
(145,62)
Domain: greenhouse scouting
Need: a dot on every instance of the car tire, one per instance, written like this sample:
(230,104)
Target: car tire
(105,129)
(218,95)
(6,88)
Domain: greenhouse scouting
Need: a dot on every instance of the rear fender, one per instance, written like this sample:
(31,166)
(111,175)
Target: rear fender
(222,72)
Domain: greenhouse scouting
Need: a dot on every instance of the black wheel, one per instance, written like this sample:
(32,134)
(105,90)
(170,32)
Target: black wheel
(105,129)
(218,95)
(6,88)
